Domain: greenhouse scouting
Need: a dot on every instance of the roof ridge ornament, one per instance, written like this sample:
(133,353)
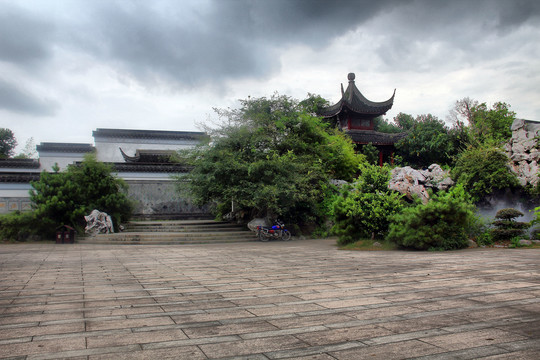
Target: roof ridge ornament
(351,77)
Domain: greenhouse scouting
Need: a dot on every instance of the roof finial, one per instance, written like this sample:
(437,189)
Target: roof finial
(351,77)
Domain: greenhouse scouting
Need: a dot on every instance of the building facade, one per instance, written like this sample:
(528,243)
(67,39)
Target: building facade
(142,158)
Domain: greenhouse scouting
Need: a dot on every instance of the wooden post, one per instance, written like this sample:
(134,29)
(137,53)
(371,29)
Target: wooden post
(380,158)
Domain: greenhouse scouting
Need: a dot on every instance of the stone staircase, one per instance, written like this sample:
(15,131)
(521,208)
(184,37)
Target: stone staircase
(174,232)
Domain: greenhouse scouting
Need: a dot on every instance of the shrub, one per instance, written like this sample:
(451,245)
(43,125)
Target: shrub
(365,207)
(506,227)
(442,223)
(17,226)
(482,171)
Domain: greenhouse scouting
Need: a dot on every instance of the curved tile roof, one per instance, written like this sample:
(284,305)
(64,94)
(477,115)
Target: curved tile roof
(148,134)
(65,147)
(353,99)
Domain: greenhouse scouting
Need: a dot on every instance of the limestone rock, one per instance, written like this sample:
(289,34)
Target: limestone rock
(252,225)
(523,151)
(411,182)
(472,244)
(524,242)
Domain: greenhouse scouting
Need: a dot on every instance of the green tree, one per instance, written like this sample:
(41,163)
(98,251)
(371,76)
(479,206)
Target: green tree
(365,207)
(271,157)
(491,126)
(65,197)
(382,125)
(7,143)
(441,223)
(483,170)
(429,141)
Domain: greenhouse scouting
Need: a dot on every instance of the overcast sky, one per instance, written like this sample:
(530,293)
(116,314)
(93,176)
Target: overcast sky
(69,67)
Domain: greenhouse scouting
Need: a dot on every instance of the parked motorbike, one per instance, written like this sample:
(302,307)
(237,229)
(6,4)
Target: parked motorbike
(277,231)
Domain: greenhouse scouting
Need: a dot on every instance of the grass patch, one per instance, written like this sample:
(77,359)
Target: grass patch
(370,245)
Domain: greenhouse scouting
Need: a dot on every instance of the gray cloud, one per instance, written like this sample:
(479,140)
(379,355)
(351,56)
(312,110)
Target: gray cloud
(16,99)
(24,38)
(185,45)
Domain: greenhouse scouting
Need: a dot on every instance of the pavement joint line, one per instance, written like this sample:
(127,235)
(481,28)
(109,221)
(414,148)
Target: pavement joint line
(529,344)
(405,336)
(190,342)
(314,350)
(465,354)
(274,333)
(84,352)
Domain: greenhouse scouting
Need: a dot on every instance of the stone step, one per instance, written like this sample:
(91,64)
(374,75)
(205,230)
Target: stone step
(174,232)
(169,238)
(177,226)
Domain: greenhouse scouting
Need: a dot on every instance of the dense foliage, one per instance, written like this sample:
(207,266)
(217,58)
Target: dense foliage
(7,143)
(271,157)
(441,223)
(429,141)
(18,225)
(490,126)
(365,207)
(65,197)
(483,170)
(505,225)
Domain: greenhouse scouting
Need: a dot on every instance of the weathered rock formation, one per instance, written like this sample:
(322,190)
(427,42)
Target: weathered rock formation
(523,151)
(410,182)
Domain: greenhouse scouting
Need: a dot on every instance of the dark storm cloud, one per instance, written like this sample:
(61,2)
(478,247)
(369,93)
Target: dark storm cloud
(18,100)
(209,45)
(181,44)
(23,38)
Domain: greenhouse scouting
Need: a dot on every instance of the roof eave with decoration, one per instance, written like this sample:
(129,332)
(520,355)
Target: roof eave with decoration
(148,134)
(374,137)
(353,100)
(65,147)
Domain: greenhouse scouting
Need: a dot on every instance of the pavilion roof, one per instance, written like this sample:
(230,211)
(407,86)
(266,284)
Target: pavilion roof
(353,100)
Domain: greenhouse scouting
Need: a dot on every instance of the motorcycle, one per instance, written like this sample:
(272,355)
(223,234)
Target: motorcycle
(277,231)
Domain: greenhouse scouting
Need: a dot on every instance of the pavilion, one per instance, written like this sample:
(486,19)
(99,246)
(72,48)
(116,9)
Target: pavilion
(355,114)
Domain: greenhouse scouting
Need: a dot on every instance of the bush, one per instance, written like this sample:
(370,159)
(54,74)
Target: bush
(482,171)
(17,226)
(442,223)
(63,198)
(506,228)
(365,207)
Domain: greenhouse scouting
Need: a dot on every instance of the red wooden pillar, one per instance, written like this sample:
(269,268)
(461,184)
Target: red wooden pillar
(380,158)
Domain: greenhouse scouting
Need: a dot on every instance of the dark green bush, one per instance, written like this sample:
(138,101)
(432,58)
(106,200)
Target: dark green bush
(364,209)
(482,171)
(442,223)
(505,226)
(508,214)
(17,226)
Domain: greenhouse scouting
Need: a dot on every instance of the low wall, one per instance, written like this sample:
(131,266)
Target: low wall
(158,198)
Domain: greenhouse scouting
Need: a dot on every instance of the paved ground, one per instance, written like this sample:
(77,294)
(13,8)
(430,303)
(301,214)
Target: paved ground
(296,300)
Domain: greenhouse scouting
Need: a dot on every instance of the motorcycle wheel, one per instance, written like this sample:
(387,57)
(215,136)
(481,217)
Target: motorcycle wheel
(262,237)
(285,235)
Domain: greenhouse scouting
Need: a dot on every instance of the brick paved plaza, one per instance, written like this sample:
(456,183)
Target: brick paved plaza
(297,300)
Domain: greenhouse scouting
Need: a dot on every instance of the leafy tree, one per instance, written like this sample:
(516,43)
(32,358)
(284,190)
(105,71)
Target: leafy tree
(483,170)
(428,141)
(371,153)
(270,157)
(364,208)
(65,197)
(7,143)
(491,126)
(404,121)
(382,125)
(441,223)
